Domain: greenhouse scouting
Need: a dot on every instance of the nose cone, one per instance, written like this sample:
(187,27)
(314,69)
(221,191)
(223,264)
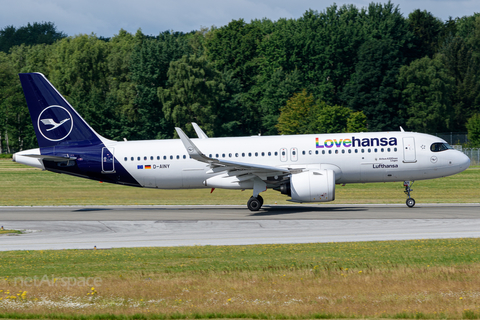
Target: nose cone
(462,161)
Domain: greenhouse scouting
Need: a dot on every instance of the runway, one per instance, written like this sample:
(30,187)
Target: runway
(141,226)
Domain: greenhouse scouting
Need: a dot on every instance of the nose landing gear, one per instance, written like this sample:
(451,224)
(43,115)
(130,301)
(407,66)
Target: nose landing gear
(410,201)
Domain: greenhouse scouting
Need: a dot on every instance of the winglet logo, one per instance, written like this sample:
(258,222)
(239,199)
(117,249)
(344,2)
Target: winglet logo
(55,123)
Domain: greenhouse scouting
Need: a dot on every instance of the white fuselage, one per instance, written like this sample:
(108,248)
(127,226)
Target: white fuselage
(372,157)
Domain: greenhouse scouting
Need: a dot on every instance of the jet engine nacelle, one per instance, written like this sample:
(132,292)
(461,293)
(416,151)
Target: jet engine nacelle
(313,186)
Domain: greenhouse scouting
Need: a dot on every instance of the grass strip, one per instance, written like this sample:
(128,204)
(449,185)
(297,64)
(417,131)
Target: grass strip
(329,257)
(21,187)
(468,314)
(417,279)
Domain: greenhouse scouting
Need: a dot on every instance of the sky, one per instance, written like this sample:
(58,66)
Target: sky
(106,17)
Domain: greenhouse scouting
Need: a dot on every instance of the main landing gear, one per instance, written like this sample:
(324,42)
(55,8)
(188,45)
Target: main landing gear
(410,200)
(255,203)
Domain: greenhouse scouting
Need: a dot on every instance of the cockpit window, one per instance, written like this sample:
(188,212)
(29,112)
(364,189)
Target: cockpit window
(440,146)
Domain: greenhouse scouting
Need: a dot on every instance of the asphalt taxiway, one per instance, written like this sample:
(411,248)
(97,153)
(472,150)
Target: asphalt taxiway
(140,226)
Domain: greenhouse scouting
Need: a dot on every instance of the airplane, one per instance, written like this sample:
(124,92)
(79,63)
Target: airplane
(304,167)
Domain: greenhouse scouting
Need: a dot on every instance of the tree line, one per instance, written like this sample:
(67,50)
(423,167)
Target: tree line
(343,69)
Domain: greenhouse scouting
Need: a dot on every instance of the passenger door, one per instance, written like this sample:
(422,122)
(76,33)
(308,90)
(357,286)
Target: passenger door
(409,154)
(108,160)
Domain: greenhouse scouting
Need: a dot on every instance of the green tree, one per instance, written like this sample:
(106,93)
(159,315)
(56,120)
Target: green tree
(426,30)
(330,119)
(16,129)
(371,88)
(302,115)
(120,96)
(473,127)
(386,48)
(149,65)
(275,94)
(461,64)
(78,68)
(31,34)
(296,116)
(234,47)
(321,46)
(197,92)
(426,91)
(357,122)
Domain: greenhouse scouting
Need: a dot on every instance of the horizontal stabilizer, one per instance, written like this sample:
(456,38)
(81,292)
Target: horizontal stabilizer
(49,158)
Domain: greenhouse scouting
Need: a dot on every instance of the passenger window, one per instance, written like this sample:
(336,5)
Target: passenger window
(243,154)
(178,157)
(349,150)
(158,157)
(369,150)
(132,158)
(376,150)
(145,158)
(323,151)
(382,150)
(343,150)
(356,150)
(229,155)
(303,152)
(336,151)
(395,149)
(316,151)
(269,154)
(184,157)
(164,157)
(138,158)
(256,154)
(151,157)
(329,151)
(263,154)
(310,152)
(276,153)
(249,154)
(388,149)
(216,156)
(126,158)
(236,155)
(171,157)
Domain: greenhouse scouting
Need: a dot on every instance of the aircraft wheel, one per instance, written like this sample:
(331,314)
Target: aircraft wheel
(254,204)
(410,202)
(259,197)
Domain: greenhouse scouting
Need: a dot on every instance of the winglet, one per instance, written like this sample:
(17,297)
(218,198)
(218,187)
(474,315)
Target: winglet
(192,149)
(199,131)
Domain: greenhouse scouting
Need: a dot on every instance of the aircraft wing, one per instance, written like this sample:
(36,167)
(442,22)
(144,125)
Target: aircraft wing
(234,168)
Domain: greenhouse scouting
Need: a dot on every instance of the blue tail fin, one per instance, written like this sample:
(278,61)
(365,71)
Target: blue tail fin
(55,122)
